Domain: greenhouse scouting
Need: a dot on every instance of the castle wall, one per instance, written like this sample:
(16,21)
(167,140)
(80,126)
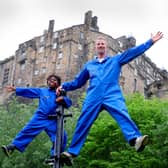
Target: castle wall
(64,52)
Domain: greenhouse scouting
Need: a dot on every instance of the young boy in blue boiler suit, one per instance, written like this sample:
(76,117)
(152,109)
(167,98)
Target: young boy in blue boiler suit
(48,102)
(104,93)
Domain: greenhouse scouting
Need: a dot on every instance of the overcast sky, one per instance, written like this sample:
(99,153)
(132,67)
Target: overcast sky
(22,20)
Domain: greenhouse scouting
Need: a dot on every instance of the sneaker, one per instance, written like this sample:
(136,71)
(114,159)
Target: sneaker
(49,161)
(8,150)
(141,142)
(67,158)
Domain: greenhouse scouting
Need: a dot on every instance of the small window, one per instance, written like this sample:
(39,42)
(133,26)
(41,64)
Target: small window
(58,66)
(148,70)
(6,75)
(43,70)
(55,34)
(45,58)
(60,46)
(135,72)
(60,55)
(79,46)
(76,56)
(41,49)
(81,35)
(36,62)
(147,81)
(36,72)
(41,39)
(120,44)
(137,61)
(54,46)
(23,54)
(135,85)
(22,66)
(19,81)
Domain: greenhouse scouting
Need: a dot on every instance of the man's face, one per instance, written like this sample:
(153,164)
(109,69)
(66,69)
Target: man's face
(101,47)
(52,83)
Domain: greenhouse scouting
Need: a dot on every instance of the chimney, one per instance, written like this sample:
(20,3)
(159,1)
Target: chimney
(51,26)
(91,22)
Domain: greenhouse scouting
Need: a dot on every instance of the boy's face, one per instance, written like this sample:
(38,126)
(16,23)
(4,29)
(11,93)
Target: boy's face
(52,83)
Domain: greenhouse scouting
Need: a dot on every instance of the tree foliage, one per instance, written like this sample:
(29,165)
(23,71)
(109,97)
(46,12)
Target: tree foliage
(105,146)
(13,118)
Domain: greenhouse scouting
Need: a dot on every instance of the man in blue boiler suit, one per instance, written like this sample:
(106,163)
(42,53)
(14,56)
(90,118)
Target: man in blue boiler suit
(104,93)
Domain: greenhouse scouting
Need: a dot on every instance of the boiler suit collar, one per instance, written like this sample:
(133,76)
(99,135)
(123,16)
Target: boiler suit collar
(52,90)
(97,60)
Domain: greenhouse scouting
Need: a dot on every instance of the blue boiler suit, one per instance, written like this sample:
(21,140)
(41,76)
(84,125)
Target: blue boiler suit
(39,121)
(104,93)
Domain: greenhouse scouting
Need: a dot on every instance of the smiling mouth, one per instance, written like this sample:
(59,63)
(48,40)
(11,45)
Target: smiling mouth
(101,50)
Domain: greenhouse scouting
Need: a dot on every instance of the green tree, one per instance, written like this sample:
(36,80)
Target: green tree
(13,118)
(106,148)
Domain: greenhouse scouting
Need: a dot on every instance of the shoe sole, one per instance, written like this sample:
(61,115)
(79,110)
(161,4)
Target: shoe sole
(67,160)
(5,150)
(143,144)
(49,162)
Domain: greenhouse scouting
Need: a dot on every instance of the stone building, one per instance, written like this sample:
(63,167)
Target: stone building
(158,89)
(64,52)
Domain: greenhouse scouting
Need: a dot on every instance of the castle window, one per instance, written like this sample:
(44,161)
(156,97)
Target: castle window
(41,49)
(81,35)
(23,54)
(148,70)
(135,72)
(62,34)
(60,55)
(36,61)
(76,56)
(79,46)
(6,75)
(58,66)
(36,72)
(45,58)
(22,65)
(55,34)
(19,81)
(60,46)
(43,70)
(41,39)
(54,46)
(147,81)
(135,85)
(120,44)
(136,61)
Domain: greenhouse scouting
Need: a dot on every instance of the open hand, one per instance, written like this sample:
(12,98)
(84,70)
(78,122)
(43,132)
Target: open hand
(10,88)
(158,36)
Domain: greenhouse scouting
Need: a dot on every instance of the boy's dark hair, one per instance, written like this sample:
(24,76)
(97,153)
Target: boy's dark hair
(56,77)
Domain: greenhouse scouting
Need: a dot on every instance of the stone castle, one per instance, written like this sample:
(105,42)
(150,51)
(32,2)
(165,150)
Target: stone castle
(63,52)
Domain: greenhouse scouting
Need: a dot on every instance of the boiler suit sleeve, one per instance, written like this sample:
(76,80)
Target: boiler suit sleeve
(78,82)
(134,52)
(28,92)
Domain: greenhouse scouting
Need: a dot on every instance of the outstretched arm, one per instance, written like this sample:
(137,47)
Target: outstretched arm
(157,36)
(136,51)
(10,88)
